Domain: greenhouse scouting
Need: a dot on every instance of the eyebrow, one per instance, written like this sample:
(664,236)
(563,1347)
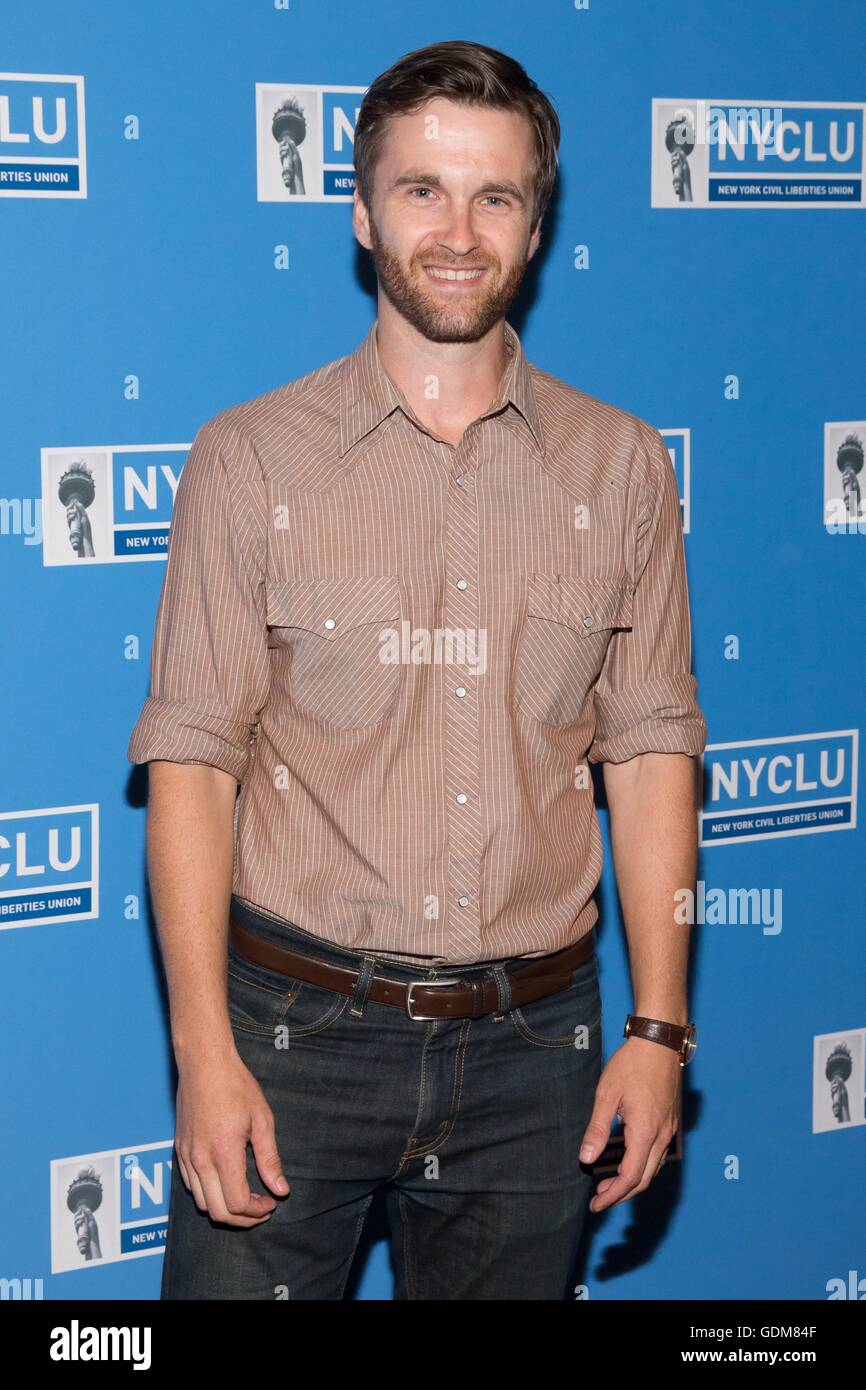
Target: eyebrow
(434,181)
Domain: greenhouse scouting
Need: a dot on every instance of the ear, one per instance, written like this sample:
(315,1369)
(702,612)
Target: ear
(361,222)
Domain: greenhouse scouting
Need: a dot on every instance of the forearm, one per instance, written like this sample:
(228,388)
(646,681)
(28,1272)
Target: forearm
(190,852)
(653,810)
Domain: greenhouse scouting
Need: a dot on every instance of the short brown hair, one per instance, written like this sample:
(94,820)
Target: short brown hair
(464,72)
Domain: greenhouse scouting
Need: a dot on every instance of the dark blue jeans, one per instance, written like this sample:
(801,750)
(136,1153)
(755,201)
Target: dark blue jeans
(471,1126)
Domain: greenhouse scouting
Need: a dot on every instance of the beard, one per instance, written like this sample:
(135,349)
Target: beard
(414,296)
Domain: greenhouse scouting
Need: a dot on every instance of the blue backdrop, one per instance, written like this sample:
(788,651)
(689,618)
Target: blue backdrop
(156,271)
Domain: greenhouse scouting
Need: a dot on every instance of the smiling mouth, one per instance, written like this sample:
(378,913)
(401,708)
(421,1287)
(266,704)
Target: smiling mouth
(445,275)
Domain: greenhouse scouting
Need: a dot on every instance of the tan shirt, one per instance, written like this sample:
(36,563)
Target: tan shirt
(408,652)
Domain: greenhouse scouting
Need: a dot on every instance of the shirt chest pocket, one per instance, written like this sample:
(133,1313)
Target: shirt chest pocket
(562,642)
(342,641)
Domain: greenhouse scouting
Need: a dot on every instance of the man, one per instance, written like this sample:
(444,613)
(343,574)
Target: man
(409,598)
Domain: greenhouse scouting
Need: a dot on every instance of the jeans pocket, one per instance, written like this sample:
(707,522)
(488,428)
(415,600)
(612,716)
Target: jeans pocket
(261,1001)
(569,1018)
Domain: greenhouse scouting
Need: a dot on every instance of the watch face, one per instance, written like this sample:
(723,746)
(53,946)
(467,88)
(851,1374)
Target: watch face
(691,1042)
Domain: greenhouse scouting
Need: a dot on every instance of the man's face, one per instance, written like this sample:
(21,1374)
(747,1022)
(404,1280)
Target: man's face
(452,192)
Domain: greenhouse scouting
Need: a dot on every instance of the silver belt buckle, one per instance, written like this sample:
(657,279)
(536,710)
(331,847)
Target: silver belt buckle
(428,984)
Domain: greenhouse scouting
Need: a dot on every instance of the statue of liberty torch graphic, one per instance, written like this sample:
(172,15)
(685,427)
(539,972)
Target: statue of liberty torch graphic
(289,128)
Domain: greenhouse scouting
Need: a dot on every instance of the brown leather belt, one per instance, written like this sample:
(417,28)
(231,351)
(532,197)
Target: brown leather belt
(453,997)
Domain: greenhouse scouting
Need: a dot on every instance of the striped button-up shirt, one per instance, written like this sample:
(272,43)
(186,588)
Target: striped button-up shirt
(409,652)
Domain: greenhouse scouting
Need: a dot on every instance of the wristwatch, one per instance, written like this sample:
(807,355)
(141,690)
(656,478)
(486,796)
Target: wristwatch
(682,1037)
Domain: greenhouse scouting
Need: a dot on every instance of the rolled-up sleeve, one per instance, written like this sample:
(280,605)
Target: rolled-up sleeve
(645,697)
(209,669)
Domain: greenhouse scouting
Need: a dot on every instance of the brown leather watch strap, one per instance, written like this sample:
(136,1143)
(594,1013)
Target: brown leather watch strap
(461,996)
(671,1035)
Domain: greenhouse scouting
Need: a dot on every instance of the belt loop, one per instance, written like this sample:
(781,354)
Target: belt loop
(503,992)
(362,988)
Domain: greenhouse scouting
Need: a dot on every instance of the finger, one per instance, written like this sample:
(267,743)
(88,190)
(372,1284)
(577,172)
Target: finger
(239,1200)
(263,1140)
(654,1164)
(216,1203)
(597,1132)
(637,1148)
(604,1184)
(196,1189)
(209,1179)
(183,1172)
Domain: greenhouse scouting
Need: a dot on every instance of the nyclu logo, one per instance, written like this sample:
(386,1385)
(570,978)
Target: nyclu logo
(49,865)
(108,503)
(109,1206)
(728,152)
(760,789)
(42,140)
(304,141)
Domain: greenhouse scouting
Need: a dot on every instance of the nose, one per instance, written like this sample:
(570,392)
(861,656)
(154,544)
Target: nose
(458,233)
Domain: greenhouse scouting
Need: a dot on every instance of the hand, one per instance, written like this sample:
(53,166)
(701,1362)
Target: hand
(220,1107)
(641,1083)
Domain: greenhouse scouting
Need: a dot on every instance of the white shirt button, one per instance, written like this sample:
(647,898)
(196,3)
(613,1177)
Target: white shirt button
(463,902)
(461,798)
(461,691)
(462,583)
(330,622)
(461,478)
(588,620)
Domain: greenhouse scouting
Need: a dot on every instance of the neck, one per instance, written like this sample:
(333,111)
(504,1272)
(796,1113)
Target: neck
(448,385)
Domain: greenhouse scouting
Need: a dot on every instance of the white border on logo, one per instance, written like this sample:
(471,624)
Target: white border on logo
(80,159)
(260,171)
(50,553)
(684,432)
(93,885)
(57,1164)
(704,202)
(853,734)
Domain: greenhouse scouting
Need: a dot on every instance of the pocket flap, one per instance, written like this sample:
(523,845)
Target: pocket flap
(331,606)
(587,605)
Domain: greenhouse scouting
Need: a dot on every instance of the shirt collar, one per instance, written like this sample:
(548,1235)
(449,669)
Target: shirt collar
(368,395)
